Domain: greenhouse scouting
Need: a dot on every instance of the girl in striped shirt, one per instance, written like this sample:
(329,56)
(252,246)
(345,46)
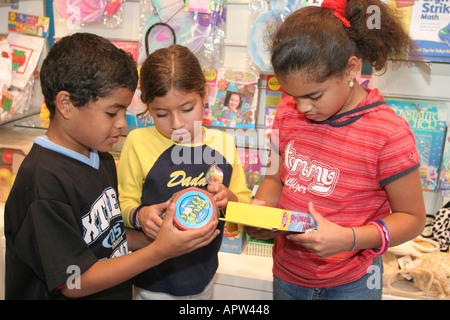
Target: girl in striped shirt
(344,155)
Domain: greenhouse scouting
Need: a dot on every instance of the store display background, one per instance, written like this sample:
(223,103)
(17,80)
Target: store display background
(251,275)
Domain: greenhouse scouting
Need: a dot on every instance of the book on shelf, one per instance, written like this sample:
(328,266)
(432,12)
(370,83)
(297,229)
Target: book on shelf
(427,120)
(233,98)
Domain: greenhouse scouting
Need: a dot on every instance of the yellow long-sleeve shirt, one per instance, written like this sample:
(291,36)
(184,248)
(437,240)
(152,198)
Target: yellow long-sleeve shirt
(152,167)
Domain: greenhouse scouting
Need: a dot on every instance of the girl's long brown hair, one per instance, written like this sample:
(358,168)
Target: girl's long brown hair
(175,67)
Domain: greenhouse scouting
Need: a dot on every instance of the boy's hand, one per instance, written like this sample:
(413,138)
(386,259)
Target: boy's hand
(221,195)
(173,242)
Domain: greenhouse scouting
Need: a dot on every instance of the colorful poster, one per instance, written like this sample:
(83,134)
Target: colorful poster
(28,24)
(234,99)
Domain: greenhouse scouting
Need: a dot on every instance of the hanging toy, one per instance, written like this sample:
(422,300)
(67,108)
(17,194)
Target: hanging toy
(86,11)
(214,174)
(258,47)
(168,23)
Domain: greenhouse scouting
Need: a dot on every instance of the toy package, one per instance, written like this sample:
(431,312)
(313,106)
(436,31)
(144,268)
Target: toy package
(18,63)
(233,241)
(265,17)
(251,164)
(26,51)
(269,218)
(195,208)
(189,23)
(5,64)
(79,13)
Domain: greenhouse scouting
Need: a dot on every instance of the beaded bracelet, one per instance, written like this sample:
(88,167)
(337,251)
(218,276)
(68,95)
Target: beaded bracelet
(384,231)
(134,217)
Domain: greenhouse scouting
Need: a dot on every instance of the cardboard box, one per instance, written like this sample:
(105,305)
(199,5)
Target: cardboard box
(268,218)
(233,241)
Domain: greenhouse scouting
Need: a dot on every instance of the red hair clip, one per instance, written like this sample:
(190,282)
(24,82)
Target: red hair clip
(338,7)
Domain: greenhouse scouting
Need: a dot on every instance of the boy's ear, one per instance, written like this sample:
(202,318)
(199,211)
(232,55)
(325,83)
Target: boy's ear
(63,103)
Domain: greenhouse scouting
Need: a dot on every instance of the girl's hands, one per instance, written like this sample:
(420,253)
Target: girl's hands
(150,216)
(150,219)
(329,239)
(260,233)
(172,242)
(221,195)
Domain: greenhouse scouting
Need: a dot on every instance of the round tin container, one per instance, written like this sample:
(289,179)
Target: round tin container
(194,208)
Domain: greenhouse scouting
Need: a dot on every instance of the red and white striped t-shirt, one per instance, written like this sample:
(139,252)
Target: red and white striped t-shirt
(341,165)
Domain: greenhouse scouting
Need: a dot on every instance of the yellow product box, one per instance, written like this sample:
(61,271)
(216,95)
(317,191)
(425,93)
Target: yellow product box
(269,218)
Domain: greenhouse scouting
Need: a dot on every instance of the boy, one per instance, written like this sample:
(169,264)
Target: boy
(62,218)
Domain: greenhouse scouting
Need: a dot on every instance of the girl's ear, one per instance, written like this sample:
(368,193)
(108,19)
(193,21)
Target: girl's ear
(353,67)
(63,104)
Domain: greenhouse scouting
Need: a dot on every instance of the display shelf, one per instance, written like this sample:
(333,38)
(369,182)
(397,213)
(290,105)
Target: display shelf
(18,137)
(19,117)
(243,277)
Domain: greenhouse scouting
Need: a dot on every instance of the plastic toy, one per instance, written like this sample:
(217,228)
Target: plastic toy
(194,208)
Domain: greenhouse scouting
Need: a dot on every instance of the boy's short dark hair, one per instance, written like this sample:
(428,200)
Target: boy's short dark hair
(88,67)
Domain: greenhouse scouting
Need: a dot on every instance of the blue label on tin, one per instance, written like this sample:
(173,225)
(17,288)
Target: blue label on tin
(194,209)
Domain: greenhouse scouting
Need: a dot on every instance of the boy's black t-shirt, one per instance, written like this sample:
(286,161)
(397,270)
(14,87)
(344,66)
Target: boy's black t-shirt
(61,217)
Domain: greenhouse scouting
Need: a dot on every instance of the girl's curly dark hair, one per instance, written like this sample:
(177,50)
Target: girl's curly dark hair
(315,41)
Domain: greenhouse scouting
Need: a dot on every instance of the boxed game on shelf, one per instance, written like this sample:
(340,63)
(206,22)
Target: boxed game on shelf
(274,94)
(444,174)
(233,241)
(428,24)
(427,120)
